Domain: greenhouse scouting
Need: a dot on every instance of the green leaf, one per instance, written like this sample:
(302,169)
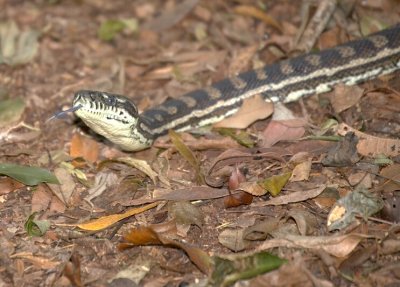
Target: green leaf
(274,184)
(11,111)
(228,271)
(381,159)
(28,175)
(36,227)
(110,28)
(241,138)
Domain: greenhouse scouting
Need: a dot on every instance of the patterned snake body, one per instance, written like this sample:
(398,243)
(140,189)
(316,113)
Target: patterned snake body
(116,117)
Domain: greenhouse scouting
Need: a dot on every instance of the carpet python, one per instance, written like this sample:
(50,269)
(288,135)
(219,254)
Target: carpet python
(117,118)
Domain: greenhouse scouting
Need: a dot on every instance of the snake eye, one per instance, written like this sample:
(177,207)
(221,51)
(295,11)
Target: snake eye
(111,100)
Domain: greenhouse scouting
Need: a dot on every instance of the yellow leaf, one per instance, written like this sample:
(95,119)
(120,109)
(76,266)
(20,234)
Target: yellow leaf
(274,184)
(106,221)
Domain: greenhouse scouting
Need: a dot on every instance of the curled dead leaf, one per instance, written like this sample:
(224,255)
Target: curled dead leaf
(252,109)
(369,145)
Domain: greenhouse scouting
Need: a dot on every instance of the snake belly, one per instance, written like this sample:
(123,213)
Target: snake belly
(116,118)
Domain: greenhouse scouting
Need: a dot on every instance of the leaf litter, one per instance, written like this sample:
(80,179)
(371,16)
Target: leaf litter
(153,195)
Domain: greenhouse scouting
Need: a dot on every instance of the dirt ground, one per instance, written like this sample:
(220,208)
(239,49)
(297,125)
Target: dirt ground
(154,50)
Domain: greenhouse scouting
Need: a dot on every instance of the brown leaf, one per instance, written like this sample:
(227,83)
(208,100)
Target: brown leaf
(148,235)
(66,187)
(184,194)
(169,18)
(391,174)
(252,109)
(232,156)
(301,171)
(7,185)
(345,97)
(344,153)
(203,144)
(369,145)
(241,60)
(72,270)
(285,130)
(183,212)
(85,148)
(40,199)
(296,196)
(336,245)
(262,229)
(233,239)
(238,199)
(306,222)
(252,188)
(37,261)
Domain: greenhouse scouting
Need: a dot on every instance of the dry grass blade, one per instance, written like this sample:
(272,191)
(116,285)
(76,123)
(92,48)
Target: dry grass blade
(187,154)
(252,11)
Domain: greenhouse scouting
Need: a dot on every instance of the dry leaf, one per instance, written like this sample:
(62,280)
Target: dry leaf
(391,174)
(37,261)
(184,194)
(254,12)
(187,154)
(301,171)
(358,202)
(102,181)
(306,222)
(106,221)
(66,187)
(7,185)
(252,188)
(296,196)
(183,212)
(150,235)
(141,165)
(287,130)
(233,239)
(241,60)
(169,18)
(40,199)
(274,184)
(369,145)
(252,109)
(345,97)
(336,245)
(283,126)
(84,147)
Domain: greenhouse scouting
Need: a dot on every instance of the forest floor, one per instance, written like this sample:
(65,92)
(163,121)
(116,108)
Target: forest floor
(255,206)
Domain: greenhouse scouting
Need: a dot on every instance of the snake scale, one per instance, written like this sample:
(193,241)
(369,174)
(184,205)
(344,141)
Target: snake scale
(117,118)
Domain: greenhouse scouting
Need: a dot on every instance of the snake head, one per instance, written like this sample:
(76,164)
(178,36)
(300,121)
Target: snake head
(112,116)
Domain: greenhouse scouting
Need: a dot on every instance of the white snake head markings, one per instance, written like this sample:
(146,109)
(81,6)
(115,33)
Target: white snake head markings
(112,116)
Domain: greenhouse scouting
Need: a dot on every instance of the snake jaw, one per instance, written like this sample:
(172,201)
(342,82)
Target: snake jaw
(112,116)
